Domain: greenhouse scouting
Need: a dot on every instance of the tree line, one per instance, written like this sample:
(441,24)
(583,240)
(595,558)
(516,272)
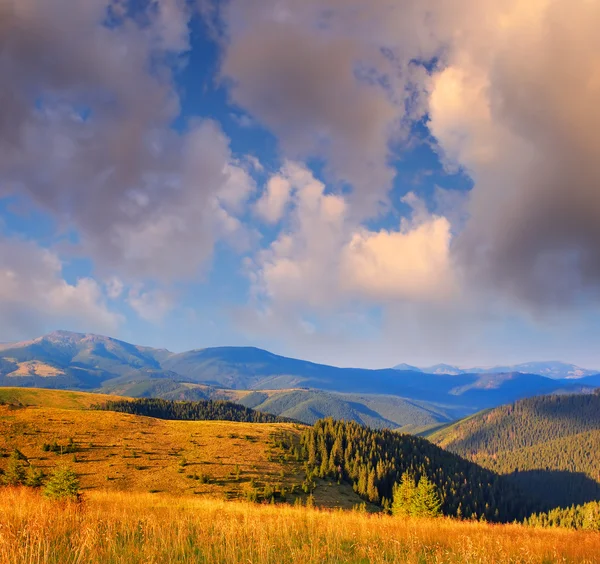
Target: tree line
(203,410)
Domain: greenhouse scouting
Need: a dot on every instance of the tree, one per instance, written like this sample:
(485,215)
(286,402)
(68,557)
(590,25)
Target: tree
(427,502)
(14,475)
(403,495)
(63,484)
(33,477)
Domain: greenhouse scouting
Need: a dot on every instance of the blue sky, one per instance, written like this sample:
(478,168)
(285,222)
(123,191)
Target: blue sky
(358,183)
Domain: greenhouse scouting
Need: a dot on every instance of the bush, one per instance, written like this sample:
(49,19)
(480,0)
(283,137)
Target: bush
(14,475)
(33,477)
(63,484)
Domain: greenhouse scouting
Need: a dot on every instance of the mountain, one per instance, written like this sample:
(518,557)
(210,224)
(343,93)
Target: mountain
(547,445)
(387,397)
(550,369)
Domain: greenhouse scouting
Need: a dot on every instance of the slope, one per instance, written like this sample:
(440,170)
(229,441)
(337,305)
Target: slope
(547,444)
(122,452)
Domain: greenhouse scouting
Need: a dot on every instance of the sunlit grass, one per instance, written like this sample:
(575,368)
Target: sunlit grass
(113,527)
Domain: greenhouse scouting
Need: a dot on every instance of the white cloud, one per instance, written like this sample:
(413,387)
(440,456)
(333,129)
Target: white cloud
(322,259)
(150,305)
(271,206)
(34,297)
(410,264)
(89,139)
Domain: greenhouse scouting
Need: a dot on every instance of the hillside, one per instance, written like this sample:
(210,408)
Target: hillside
(122,452)
(336,462)
(548,445)
(391,398)
(373,410)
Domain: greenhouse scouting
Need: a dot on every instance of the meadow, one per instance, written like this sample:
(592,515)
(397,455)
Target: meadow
(129,528)
(130,453)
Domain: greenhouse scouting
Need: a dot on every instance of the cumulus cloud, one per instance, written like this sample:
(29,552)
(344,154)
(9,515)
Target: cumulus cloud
(150,305)
(510,92)
(323,259)
(329,79)
(516,106)
(271,205)
(34,297)
(88,100)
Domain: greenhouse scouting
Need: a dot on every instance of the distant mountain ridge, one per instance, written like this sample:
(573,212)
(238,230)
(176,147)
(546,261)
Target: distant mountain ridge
(550,369)
(294,388)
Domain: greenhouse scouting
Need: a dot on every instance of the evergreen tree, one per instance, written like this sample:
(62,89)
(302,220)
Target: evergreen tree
(427,502)
(33,477)
(14,475)
(403,495)
(63,484)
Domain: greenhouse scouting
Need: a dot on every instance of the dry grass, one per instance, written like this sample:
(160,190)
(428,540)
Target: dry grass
(130,453)
(52,398)
(112,527)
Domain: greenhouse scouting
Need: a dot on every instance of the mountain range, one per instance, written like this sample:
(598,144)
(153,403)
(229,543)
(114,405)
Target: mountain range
(395,398)
(551,369)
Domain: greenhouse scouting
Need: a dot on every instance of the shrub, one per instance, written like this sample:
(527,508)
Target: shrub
(33,477)
(14,475)
(63,484)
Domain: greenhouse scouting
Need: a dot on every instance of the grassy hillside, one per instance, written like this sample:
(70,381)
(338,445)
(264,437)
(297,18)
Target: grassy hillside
(140,528)
(123,452)
(547,444)
(52,398)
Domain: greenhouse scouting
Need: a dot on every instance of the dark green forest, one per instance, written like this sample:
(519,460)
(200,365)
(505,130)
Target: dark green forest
(205,410)
(374,460)
(522,424)
(547,445)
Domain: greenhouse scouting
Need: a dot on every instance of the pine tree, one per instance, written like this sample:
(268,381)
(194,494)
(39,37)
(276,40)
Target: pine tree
(14,475)
(33,477)
(63,484)
(427,502)
(403,495)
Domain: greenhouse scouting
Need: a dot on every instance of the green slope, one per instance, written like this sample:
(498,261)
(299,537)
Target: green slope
(549,445)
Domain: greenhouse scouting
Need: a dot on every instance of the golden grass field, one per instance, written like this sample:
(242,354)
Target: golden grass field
(121,452)
(130,528)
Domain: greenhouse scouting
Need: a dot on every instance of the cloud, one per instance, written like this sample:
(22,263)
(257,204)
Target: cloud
(330,79)
(86,134)
(412,263)
(322,259)
(34,297)
(516,105)
(271,206)
(150,305)
(510,92)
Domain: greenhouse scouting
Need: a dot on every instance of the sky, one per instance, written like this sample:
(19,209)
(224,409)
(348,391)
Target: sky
(356,182)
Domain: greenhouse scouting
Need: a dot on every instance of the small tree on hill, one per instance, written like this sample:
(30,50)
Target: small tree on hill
(403,495)
(33,477)
(63,484)
(427,502)
(14,475)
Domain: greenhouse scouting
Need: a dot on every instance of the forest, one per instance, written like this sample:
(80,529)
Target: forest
(373,461)
(204,410)
(546,445)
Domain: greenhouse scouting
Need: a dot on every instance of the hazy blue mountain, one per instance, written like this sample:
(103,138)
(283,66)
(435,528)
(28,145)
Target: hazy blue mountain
(550,369)
(92,362)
